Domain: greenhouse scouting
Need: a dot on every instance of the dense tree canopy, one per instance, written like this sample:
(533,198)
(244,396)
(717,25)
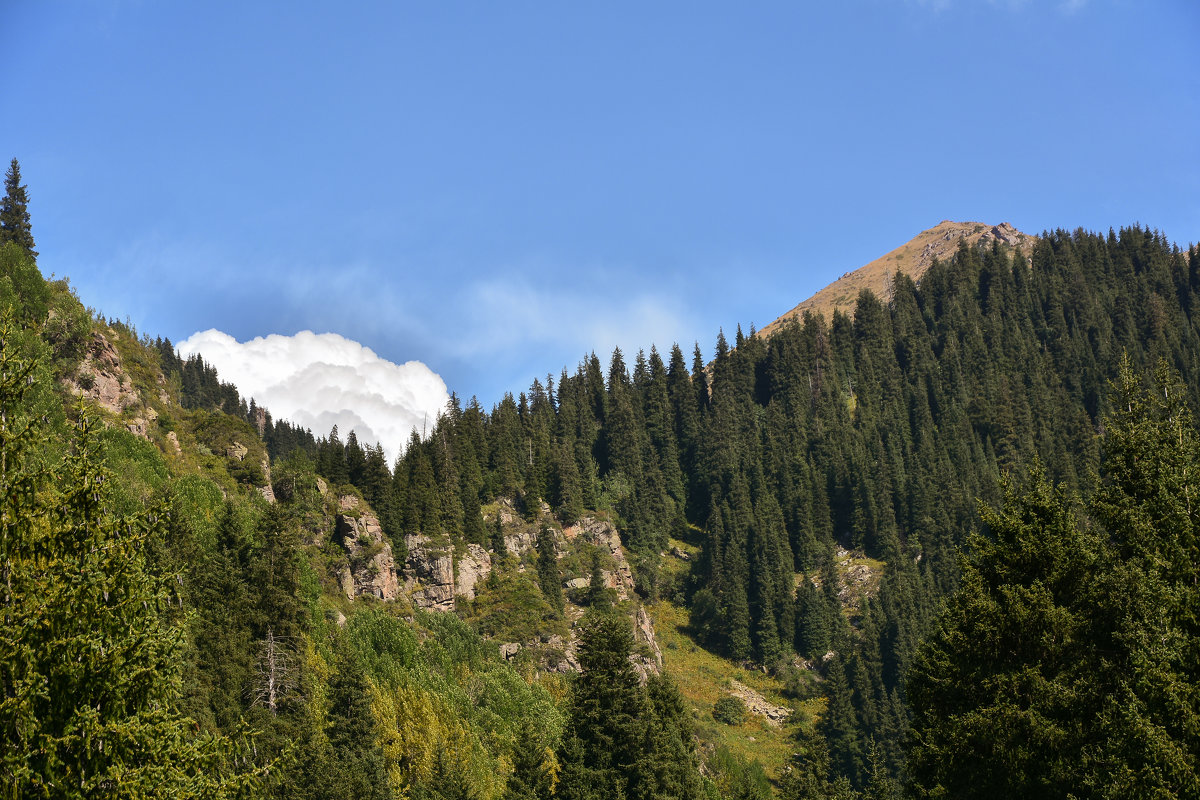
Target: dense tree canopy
(1066,663)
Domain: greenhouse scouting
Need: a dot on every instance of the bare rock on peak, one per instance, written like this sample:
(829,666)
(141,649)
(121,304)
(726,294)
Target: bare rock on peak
(913,259)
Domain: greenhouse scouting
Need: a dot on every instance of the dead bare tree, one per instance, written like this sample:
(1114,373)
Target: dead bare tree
(274,674)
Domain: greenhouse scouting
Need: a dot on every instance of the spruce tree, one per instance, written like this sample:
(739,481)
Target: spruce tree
(1066,663)
(999,691)
(14,211)
(609,710)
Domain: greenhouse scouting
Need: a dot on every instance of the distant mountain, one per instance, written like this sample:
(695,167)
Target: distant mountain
(913,259)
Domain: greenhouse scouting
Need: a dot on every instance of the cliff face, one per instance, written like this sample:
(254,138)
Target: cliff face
(436,577)
(372,568)
(429,574)
(102,379)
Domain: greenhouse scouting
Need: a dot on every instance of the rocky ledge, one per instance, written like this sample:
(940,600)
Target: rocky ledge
(372,568)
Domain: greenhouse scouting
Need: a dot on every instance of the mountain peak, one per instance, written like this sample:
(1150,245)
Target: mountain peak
(913,259)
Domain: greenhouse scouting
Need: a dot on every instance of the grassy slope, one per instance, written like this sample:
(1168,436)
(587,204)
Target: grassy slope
(703,678)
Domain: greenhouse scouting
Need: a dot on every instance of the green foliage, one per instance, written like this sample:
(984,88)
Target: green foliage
(512,609)
(225,435)
(138,467)
(196,506)
(89,652)
(1004,679)
(22,288)
(1066,663)
(738,779)
(622,739)
(68,327)
(730,710)
(549,578)
(451,713)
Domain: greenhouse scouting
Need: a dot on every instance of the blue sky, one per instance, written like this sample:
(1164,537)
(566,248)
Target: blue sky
(495,189)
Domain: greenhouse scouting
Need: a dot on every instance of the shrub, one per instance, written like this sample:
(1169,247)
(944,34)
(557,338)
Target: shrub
(730,710)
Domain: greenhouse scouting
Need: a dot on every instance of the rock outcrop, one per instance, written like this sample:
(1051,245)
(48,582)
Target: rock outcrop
(602,534)
(372,568)
(101,378)
(643,634)
(138,427)
(475,566)
(429,574)
(757,704)
(267,490)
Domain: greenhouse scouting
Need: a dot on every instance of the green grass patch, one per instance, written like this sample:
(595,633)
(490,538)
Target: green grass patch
(703,678)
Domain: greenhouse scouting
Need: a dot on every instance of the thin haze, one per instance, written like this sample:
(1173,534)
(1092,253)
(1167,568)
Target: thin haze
(496,189)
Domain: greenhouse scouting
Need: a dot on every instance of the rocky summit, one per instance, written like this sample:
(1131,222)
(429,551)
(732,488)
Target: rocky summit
(914,258)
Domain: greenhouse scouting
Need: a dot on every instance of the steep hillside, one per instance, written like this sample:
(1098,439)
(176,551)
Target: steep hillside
(912,258)
(359,663)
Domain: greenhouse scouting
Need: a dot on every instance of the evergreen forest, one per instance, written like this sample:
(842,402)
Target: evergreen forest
(951,534)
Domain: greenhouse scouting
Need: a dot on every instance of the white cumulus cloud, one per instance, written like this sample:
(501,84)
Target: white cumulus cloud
(319,380)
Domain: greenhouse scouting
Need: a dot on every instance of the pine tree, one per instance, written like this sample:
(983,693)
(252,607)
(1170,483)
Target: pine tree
(839,724)
(1148,630)
(497,542)
(535,768)
(807,776)
(356,767)
(14,212)
(1066,663)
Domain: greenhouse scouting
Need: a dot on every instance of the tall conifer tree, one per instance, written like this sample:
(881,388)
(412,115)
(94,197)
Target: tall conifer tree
(14,211)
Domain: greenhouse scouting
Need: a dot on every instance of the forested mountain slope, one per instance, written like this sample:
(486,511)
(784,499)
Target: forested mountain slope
(790,512)
(878,433)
